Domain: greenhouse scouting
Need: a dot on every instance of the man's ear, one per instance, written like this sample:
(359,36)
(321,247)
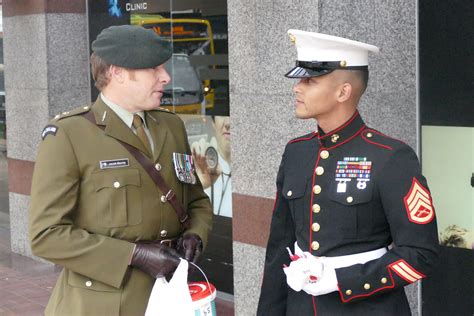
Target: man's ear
(117,73)
(345,92)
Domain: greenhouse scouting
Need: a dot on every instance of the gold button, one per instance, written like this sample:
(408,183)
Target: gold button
(289,193)
(315,245)
(315,227)
(319,170)
(316,208)
(334,138)
(158,167)
(116,184)
(349,199)
(57,116)
(369,135)
(348,292)
(343,63)
(324,154)
(89,283)
(366,286)
(383,280)
(163,233)
(163,199)
(317,189)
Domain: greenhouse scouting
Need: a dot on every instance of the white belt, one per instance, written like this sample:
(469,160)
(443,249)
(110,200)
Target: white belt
(348,260)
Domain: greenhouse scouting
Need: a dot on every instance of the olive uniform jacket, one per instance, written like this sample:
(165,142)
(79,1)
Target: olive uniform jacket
(350,191)
(91,200)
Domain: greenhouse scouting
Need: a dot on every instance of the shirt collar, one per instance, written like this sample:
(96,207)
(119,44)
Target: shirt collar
(124,115)
(225,167)
(343,133)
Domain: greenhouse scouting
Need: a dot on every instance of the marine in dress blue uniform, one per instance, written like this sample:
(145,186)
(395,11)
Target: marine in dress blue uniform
(351,200)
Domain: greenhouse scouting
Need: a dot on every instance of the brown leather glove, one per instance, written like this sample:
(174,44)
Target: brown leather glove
(190,247)
(155,259)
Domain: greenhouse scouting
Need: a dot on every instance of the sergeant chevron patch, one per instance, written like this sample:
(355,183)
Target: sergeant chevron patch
(406,271)
(418,204)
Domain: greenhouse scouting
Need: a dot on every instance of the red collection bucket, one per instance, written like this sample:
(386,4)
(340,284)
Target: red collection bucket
(203,295)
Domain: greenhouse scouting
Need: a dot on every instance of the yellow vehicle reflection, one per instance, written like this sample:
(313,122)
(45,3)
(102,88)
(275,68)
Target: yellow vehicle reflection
(184,93)
(191,37)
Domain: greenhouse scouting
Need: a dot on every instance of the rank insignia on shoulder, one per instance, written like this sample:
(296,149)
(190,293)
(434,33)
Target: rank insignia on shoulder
(49,130)
(115,163)
(184,168)
(418,203)
(353,167)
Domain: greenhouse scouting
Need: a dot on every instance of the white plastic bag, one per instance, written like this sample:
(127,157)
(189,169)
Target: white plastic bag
(171,298)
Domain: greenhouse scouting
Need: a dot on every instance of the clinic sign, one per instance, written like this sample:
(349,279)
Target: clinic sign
(116,9)
(136,6)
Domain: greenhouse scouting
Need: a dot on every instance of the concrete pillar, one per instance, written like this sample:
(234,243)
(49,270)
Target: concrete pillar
(46,72)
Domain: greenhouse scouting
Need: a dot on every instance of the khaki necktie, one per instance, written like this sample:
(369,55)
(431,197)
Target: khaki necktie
(138,124)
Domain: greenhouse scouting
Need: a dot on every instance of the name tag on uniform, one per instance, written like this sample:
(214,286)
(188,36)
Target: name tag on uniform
(115,163)
(184,168)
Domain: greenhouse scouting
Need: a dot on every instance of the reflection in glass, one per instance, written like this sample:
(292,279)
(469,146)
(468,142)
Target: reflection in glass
(185,87)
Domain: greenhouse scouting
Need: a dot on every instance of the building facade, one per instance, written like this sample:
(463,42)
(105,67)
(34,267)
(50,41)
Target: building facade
(46,57)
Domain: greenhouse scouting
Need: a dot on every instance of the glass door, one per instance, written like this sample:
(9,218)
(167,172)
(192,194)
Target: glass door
(447,148)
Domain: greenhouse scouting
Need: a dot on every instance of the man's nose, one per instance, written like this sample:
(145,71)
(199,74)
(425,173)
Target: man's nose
(227,123)
(164,77)
(296,87)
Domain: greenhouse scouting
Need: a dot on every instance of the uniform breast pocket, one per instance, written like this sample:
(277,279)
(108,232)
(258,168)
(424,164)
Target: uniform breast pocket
(118,197)
(351,209)
(294,192)
(79,281)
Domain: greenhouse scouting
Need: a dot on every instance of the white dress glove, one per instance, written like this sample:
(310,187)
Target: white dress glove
(310,274)
(303,269)
(325,284)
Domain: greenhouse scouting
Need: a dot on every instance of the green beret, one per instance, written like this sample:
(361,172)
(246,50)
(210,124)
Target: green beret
(131,47)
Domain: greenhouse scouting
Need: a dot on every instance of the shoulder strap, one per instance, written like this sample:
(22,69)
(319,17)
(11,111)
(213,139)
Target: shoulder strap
(149,167)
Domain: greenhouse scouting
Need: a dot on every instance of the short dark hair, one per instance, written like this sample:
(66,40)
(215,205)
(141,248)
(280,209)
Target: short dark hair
(363,76)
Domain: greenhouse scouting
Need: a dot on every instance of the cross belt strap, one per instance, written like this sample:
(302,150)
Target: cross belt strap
(149,167)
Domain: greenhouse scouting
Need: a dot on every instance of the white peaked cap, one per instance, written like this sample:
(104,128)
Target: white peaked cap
(326,48)
(319,54)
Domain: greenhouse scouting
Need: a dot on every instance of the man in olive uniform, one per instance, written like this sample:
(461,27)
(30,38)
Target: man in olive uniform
(95,208)
(353,221)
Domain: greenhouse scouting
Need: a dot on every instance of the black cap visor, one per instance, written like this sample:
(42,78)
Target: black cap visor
(301,72)
(308,69)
